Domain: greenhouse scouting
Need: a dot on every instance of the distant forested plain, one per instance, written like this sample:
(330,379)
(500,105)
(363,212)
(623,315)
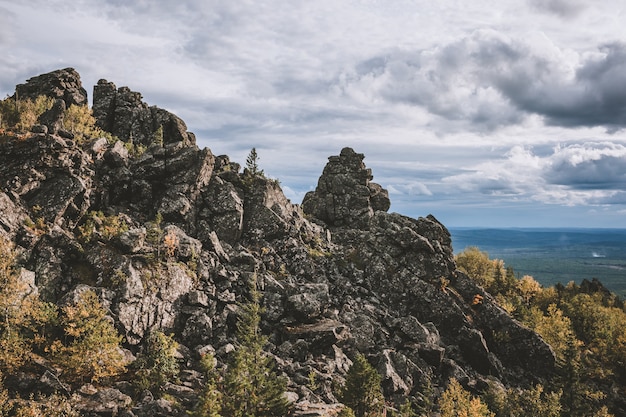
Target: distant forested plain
(554,255)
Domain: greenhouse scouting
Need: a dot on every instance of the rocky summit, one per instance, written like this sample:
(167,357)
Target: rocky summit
(171,236)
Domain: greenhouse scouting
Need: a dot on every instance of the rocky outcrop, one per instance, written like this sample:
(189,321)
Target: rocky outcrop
(344,195)
(123,113)
(171,237)
(62,84)
(168,180)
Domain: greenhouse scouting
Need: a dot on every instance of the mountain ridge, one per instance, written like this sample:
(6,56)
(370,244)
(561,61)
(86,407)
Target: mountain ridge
(169,236)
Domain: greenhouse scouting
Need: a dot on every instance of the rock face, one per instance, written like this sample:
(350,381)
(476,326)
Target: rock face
(170,238)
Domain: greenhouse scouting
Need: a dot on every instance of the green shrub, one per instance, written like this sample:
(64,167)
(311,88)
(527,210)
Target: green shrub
(346,412)
(21,115)
(456,401)
(23,315)
(157,365)
(107,226)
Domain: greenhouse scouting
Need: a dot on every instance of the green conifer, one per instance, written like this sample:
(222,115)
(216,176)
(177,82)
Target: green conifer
(362,391)
(210,403)
(252,164)
(252,388)
(157,365)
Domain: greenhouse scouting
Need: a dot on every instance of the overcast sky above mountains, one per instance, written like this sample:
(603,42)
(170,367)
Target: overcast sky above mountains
(482,116)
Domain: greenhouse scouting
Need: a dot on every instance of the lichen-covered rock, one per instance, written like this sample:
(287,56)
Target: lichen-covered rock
(321,335)
(12,216)
(307,302)
(269,214)
(516,346)
(182,246)
(52,119)
(221,212)
(392,381)
(132,241)
(104,402)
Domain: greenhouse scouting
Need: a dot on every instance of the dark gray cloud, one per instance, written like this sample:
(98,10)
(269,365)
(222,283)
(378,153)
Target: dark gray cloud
(562,8)
(592,98)
(618,198)
(609,172)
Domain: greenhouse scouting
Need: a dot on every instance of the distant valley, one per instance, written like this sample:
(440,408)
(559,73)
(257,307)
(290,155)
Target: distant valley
(554,255)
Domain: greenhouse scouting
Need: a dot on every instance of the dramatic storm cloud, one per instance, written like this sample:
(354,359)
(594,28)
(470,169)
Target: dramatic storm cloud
(509,113)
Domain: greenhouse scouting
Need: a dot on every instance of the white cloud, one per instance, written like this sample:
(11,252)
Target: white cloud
(411,188)
(588,166)
(591,173)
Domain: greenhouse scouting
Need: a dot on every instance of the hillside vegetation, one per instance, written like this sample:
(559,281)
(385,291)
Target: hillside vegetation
(585,325)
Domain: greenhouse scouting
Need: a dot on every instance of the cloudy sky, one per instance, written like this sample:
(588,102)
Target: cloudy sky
(483,113)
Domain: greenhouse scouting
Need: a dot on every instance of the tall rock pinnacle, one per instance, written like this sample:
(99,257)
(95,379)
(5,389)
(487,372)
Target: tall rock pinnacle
(345,195)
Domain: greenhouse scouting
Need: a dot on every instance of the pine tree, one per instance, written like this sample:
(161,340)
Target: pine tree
(157,365)
(362,391)
(252,164)
(425,403)
(252,387)
(210,404)
(406,410)
(569,369)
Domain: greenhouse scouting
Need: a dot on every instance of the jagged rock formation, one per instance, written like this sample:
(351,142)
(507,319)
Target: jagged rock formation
(344,195)
(338,275)
(123,113)
(62,84)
